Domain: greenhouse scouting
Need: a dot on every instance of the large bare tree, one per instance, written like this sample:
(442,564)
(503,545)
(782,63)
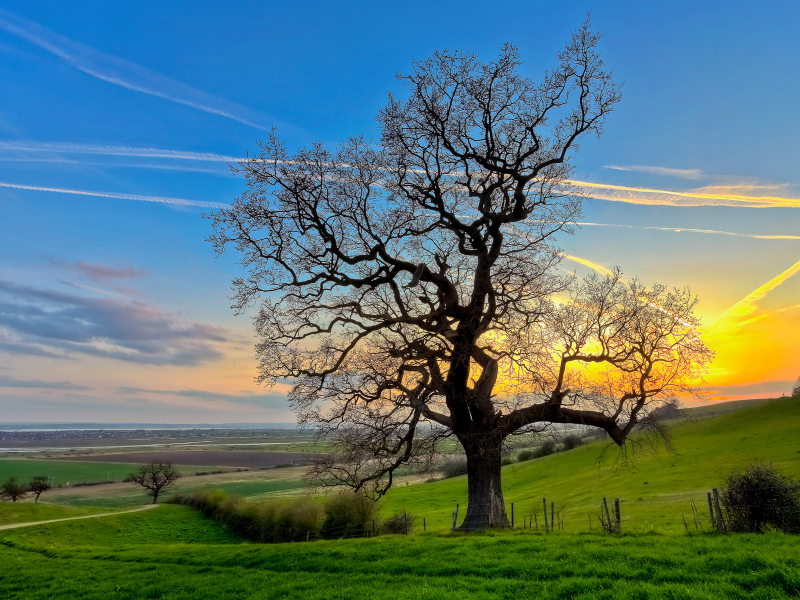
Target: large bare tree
(410,289)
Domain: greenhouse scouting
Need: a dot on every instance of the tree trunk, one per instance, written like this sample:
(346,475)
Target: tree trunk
(155,496)
(486,508)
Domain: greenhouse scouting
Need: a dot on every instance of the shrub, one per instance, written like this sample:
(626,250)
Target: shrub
(266,522)
(348,514)
(401,522)
(454,467)
(507,460)
(572,441)
(760,498)
(547,448)
(526,455)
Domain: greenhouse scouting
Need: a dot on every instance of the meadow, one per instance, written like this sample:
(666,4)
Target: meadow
(173,552)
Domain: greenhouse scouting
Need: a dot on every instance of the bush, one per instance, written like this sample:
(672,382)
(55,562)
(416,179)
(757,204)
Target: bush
(348,514)
(454,467)
(402,523)
(525,455)
(547,448)
(266,522)
(572,441)
(507,460)
(760,498)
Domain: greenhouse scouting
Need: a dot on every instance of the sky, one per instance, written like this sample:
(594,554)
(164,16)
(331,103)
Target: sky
(118,122)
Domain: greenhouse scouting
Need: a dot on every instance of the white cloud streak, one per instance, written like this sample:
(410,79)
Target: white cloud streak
(174,201)
(682,173)
(128,74)
(112,150)
(690,230)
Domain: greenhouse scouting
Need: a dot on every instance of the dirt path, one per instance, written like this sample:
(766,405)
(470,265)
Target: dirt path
(122,512)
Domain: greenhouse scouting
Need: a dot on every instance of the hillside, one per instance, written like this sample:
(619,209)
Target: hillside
(174,552)
(655,489)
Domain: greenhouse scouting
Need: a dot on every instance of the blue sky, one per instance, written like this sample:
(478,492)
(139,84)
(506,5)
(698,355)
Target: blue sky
(112,305)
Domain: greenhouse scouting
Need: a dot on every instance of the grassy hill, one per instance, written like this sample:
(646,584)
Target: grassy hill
(655,489)
(174,553)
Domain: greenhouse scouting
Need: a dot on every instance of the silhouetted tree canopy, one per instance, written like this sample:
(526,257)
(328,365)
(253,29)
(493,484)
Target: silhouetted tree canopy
(410,289)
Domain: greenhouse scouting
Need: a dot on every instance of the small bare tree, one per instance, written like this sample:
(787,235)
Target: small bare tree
(796,388)
(410,289)
(13,490)
(39,484)
(155,477)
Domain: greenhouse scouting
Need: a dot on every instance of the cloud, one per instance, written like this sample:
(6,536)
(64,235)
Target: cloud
(732,317)
(683,173)
(270,399)
(112,150)
(38,383)
(176,201)
(101,272)
(58,323)
(587,263)
(689,230)
(127,74)
(743,195)
(754,388)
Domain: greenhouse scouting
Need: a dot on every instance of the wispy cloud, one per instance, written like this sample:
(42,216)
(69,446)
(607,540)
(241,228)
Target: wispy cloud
(588,263)
(733,317)
(127,74)
(690,230)
(48,322)
(162,200)
(272,399)
(682,173)
(746,196)
(112,150)
(11,382)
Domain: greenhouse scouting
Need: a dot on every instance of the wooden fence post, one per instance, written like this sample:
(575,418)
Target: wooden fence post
(719,512)
(455,518)
(552,514)
(616,512)
(424,528)
(546,528)
(512,515)
(608,515)
(710,510)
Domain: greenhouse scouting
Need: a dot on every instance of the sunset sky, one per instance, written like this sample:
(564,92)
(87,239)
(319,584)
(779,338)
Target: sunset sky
(117,122)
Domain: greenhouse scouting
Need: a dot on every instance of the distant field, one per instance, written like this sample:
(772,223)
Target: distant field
(24,512)
(216,458)
(173,552)
(655,490)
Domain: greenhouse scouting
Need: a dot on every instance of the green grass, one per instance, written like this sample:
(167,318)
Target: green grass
(25,512)
(654,490)
(173,552)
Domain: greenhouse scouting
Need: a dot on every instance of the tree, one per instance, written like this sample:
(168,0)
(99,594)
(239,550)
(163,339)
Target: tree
(13,490)
(796,388)
(409,289)
(39,484)
(156,477)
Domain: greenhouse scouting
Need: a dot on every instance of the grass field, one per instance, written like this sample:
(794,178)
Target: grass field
(654,490)
(175,553)
(25,512)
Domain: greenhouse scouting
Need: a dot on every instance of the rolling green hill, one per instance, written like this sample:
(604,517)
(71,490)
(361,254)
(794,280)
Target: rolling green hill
(655,489)
(173,552)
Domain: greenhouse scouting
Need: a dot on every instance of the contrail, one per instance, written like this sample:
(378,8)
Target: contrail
(587,263)
(689,230)
(752,320)
(683,173)
(128,74)
(177,201)
(108,150)
(746,306)
(634,195)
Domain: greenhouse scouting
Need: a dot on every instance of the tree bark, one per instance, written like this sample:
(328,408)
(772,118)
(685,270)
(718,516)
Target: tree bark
(486,508)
